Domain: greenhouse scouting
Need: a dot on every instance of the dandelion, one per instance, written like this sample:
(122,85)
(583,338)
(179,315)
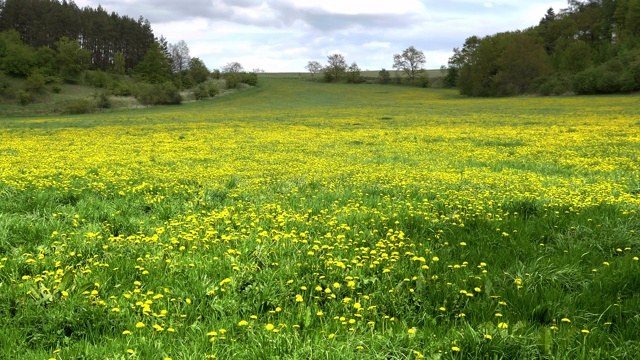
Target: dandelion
(411,331)
(139,325)
(503,325)
(488,336)
(584,331)
(269,327)
(130,351)
(455,349)
(565,320)
(126,332)
(243,323)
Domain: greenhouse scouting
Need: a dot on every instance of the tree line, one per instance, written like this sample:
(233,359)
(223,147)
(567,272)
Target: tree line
(409,65)
(591,47)
(42,23)
(48,42)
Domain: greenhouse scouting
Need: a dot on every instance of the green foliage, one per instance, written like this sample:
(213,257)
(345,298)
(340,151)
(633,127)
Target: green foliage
(72,59)
(98,79)
(25,97)
(119,64)
(353,74)
(592,42)
(213,89)
(198,70)
(35,83)
(19,60)
(45,61)
(158,94)
(201,92)
(102,100)
(121,87)
(384,77)
(156,66)
(77,107)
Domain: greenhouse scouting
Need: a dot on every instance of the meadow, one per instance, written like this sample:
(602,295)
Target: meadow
(303,220)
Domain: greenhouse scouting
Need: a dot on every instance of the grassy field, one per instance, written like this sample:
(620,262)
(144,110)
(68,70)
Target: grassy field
(302,220)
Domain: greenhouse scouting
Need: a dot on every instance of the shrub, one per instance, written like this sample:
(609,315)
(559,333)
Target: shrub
(102,100)
(608,82)
(233,80)
(201,92)
(35,83)
(77,107)
(25,97)
(384,77)
(98,79)
(213,90)
(250,78)
(422,80)
(159,94)
(121,88)
(56,89)
(585,82)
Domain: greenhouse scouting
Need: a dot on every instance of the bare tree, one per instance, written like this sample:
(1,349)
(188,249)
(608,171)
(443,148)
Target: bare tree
(411,62)
(232,67)
(336,66)
(179,54)
(314,67)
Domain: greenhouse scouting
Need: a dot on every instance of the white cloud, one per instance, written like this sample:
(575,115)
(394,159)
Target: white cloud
(282,35)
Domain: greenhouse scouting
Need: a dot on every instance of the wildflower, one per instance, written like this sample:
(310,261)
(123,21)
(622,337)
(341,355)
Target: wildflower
(488,336)
(503,325)
(243,323)
(269,327)
(126,332)
(139,325)
(565,320)
(130,351)
(455,349)
(411,331)
(584,331)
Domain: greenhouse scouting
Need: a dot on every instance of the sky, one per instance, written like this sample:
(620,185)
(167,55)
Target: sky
(284,35)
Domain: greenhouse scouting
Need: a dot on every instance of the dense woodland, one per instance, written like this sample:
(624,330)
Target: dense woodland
(48,43)
(42,23)
(591,47)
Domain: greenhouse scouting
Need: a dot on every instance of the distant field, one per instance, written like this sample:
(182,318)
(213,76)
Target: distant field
(304,220)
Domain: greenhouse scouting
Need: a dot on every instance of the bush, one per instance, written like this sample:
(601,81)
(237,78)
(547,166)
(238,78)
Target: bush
(35,83)
(250,78)
(159,94)
(25,97)
(585,82)
(56,89)
(213,90)
(233,80)
(608,82)
(422,80)
(5,87)
(102,100)
(384,77)
(98,79)
(77,107)
(201,92)
(121,88)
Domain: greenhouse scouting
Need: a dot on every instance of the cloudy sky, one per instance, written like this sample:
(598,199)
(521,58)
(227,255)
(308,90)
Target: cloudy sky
(283,35)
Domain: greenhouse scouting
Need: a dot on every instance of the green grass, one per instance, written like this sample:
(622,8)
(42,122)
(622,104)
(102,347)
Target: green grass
(404,201)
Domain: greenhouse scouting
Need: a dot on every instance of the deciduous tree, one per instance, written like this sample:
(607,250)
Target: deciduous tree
(336,66)
(411,62)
